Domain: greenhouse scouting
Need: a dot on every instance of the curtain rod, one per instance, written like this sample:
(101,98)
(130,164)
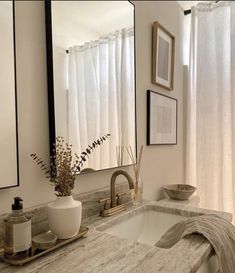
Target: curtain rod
(188,11)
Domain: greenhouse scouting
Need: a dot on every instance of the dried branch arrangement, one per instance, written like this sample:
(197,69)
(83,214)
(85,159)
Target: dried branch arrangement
(119,155)
(64,166)
(136,164)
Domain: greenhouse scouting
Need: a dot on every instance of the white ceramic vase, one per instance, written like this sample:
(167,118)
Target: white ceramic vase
(64,216)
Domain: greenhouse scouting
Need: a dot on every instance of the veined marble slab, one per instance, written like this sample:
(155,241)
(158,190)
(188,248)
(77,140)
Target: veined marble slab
(90,208)
(103,253)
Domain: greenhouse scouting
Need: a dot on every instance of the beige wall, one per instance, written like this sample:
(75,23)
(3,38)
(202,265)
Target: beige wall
(161,165)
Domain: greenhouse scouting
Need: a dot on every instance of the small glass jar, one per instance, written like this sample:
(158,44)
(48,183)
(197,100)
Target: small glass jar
(138,190)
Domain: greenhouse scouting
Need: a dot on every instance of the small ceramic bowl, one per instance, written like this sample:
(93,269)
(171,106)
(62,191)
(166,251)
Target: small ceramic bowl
(44,241)
(179,191)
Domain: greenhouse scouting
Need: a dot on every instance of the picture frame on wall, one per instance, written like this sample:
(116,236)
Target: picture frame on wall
(163,54)
(161,119)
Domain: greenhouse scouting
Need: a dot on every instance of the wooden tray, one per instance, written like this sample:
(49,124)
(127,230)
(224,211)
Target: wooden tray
(35,253)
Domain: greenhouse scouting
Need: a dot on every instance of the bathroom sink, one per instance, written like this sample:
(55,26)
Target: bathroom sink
(145,226)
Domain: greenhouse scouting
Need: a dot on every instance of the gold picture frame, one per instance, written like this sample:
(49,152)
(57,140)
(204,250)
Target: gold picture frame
(163,54)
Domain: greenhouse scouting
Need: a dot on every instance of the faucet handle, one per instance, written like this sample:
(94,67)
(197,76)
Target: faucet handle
(105,201)
(119,195)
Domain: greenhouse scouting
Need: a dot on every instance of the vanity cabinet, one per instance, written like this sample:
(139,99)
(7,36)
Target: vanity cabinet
(209,266)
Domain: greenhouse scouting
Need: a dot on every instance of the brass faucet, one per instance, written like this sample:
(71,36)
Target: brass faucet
(112,185)
(115,205)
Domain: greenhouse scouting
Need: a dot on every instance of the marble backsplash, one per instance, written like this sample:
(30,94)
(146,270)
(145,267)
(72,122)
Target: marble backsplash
(90,207)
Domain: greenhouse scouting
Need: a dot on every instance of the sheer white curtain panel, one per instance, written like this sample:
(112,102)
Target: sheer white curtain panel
(211,105)
(102,96)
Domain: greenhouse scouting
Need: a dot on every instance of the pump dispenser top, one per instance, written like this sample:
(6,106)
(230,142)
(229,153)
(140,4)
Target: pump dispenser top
(17,205)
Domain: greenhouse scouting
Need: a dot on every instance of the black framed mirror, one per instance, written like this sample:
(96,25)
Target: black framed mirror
(91,77)
(9,167)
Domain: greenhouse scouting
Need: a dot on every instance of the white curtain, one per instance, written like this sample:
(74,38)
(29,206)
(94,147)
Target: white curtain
(211,105)
(101,96)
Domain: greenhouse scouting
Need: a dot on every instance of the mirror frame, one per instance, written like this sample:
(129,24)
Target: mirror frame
(15,100)
(50,81)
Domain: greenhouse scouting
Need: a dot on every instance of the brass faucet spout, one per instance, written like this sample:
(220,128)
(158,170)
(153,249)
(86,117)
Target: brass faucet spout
(113,180)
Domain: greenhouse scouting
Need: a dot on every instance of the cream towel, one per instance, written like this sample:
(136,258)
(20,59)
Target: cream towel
(218,231)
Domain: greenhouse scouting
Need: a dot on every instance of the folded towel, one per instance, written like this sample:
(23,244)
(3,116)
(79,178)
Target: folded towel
(218,231)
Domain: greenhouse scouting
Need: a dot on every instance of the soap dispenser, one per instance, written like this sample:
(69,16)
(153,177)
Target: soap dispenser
(17,233)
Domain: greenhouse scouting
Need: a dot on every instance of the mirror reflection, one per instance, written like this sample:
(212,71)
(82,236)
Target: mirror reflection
(8,135)
(94,77)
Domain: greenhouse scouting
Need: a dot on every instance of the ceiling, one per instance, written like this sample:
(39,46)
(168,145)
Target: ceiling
(77,22)
(188,4)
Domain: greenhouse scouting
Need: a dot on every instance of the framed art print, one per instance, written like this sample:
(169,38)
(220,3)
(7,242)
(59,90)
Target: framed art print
(163,51)
(161,119)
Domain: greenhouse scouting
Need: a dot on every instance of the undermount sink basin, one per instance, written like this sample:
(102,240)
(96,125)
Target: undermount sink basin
(145,226)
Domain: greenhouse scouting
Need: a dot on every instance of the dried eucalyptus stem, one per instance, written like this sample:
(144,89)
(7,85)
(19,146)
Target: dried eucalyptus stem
(64,166)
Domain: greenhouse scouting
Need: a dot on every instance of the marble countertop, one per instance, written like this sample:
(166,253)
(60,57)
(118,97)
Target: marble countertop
(100,252)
